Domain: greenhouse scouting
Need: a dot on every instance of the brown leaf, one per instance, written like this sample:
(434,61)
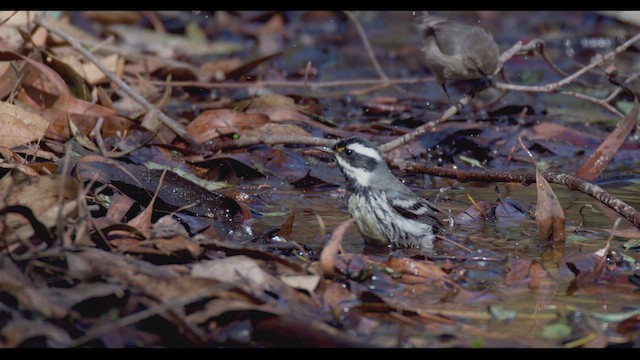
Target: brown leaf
(168,227)
(421,268)
(285,229)
(91,73)
(217,307)
(155,281)
(8,79)
(39,76)
(599,159)
(28,296)
(474,215)
(266,101)
(244,272)
(20,126)
(44,195)
(273,129)
(527,271)
(84,115)
(18,331)
(549,213)
(560,133)
(215,123)
(113,17)
(330,251)
(236,69)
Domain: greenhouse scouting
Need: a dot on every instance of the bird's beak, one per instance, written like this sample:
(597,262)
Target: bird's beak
(326,149)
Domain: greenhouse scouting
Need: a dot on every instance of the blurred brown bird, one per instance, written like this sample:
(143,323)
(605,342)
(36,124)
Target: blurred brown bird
(457,51)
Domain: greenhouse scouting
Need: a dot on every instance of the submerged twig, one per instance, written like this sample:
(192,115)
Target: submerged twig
(526,178)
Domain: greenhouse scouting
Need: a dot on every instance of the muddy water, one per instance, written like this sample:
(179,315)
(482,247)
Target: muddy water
(586,219)
(535,307)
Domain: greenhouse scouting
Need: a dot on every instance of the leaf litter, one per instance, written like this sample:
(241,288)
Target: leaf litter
(118,233)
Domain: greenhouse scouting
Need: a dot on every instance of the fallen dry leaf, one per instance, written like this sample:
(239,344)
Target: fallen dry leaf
(241,269)
(215,123)
(20,126)
(17,331)
(50,198)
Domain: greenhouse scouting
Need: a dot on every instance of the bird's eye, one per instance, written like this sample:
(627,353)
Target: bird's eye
(348,151)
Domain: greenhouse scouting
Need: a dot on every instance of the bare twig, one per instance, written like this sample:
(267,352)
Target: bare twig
(285,83)
(272,140)
(166,120)
(552,87)
(425,127)
(367,46)
(601,102)
(8,18)
(617,91)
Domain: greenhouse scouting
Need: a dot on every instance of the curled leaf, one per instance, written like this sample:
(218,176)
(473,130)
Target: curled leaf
(549,213)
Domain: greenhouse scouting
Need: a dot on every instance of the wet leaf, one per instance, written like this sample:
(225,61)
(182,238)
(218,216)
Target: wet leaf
(631,244)
(227,168)
(329,254)
(502,314)
(557,331)
(549,213)
(177,193)
(311,182)
(473,215)
(600,158)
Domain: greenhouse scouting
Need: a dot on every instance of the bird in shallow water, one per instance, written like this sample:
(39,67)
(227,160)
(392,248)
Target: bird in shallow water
(386,211)
(458,51)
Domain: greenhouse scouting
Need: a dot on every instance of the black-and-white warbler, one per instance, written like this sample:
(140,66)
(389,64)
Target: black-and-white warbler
(386,211)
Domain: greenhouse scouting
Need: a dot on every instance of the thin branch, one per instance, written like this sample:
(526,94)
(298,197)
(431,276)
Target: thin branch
(551,87)
(285,83)
(601,102)
(271,140)
(166,120)
(617,91)
(425,127)
(367,46)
